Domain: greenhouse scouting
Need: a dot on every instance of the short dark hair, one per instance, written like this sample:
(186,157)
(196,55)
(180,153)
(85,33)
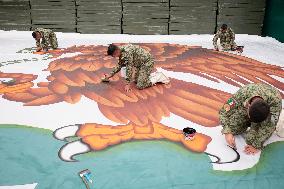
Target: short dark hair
(111,48)
(34,34)
(224,26)
(188,130)
(258,111)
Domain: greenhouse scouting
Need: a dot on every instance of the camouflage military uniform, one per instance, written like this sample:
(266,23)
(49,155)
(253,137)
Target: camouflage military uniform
(234,117)
(48,38)
(227,39)
(138,60)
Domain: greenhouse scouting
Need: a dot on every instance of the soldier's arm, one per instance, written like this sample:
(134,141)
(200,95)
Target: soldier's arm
(232,34)
(259,133)
(215,39)
(38,43)
(129,72)
(227,129)
(128,61)
(224,121)
(115,70)
(275,108)
(45,40)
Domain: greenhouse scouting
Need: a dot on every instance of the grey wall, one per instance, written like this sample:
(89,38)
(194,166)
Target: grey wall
(133,16)
(244,16)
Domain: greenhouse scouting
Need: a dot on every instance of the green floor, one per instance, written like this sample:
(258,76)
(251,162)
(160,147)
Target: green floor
(29,155)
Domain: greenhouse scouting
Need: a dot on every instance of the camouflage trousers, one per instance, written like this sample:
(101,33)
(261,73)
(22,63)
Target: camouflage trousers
(142,75)
(227,46)
(53,40)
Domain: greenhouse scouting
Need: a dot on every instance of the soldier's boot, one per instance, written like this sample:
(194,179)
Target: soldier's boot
(239,49)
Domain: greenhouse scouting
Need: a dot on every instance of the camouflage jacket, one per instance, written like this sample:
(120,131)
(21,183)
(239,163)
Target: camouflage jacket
(45,33)
(227,39)
(235,120)
(132,57)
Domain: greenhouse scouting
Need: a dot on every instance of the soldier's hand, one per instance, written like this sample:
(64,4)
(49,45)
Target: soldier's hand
(250,150)
(127,88)
(230,139)
(38,49)
(105,78)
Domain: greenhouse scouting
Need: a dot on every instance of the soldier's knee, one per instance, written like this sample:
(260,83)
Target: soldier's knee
(140,86)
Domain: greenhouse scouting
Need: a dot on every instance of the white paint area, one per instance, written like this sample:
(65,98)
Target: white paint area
(25,186)
(65,132)
(54,116)
(77,147)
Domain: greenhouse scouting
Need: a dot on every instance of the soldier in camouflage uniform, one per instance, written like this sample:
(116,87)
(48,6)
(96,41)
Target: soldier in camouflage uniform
(227,39)
(243,114)
(48,39)
(136,60)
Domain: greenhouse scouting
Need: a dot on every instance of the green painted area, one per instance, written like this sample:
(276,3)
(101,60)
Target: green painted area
(29,155)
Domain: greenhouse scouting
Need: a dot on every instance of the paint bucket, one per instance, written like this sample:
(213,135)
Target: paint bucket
(189,133)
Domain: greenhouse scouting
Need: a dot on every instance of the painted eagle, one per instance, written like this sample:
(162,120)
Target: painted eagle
(139,112)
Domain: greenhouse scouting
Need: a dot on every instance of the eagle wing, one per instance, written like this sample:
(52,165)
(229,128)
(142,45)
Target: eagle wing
(72,77)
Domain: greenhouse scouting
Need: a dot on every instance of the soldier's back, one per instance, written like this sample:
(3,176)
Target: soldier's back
(267,92)
(43,30)
(137,52)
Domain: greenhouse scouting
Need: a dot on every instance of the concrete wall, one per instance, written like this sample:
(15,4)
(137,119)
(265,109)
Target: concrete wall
(133,16)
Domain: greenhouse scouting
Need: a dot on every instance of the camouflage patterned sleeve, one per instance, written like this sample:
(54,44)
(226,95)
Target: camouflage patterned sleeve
(129,72)
(128,61)
(45,40)
(259,133)
(38,43)
(275,108)
(115,70)
(232,37)
(215,39)
(224,122)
